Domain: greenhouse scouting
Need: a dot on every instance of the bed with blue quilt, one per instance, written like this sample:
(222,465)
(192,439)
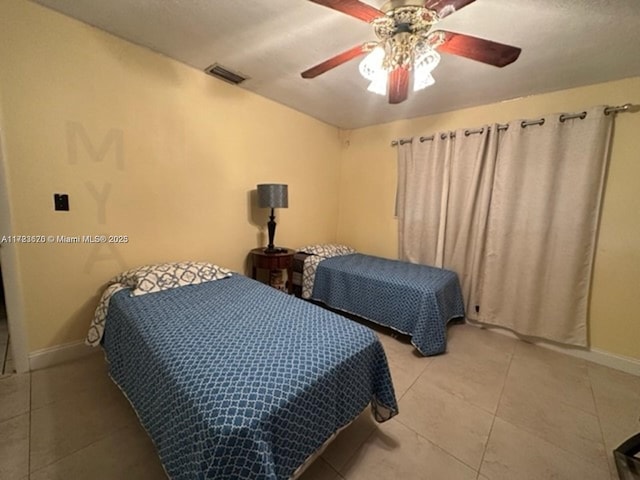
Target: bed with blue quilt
(233,379)
(416,300)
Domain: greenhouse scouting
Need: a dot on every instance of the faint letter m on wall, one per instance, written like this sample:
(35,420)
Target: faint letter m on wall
(113,141)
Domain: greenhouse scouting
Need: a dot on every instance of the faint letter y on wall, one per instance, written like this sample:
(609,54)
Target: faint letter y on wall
(101,200)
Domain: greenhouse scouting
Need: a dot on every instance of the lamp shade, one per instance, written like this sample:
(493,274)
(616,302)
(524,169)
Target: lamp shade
(273,195)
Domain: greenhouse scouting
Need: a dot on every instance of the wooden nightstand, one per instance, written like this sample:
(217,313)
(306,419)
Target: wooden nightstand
(273,261)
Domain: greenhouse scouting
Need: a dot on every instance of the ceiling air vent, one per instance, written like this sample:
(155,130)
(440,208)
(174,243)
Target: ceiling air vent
(225,74)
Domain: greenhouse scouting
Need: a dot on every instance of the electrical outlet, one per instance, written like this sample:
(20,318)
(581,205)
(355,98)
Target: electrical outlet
(61,202)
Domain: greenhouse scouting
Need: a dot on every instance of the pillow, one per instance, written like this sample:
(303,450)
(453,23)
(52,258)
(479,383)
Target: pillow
(149,279)
(156,278)
(327,250)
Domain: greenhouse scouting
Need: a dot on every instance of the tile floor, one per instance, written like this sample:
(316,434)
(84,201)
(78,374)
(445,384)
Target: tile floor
(491,408)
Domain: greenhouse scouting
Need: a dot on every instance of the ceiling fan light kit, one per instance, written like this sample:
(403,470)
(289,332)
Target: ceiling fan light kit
(406,50)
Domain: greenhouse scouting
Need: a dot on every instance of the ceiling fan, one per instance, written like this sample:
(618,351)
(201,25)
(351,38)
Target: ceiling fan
(406,43)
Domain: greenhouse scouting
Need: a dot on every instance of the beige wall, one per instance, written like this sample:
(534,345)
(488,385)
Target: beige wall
(368,179)
(192,149)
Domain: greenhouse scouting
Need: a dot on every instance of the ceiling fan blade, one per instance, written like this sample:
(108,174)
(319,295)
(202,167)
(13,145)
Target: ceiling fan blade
(398,85)
(333,62)
(446,7)
(479,49)
(355,8)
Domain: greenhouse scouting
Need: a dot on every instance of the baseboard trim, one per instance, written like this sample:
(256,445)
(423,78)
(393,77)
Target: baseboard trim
(48,357)
(601,357)
(619,362)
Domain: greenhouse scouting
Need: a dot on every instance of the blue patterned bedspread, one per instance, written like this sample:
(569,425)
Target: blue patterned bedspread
(413,299)
(235,380)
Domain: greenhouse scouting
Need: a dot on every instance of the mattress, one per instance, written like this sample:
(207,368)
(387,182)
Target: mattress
(416,300)
(233,379)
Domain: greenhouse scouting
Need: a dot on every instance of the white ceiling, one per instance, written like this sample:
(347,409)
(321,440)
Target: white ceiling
(565,43)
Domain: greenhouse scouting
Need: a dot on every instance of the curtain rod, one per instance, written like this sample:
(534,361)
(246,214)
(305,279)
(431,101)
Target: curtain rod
(526,123)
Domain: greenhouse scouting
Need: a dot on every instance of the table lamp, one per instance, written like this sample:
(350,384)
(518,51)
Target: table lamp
(272,195)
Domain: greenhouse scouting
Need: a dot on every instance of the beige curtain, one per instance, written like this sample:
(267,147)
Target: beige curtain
(472,168)
(444,190)
(421,199)
(542,226)
(514,213)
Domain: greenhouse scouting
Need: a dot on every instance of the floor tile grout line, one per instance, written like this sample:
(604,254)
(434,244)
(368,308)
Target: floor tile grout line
(595,404)
(348,459)
(424,369)
(535,434)
(346,462)
(477,470)
(565,402)
(49,404)
(573,455)
(557,445)
(492,422)
(118,430)
(13,417)
(495,413)
(442,449)
(331,467)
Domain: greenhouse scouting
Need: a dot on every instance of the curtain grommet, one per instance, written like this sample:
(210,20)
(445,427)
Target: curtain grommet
(525,123)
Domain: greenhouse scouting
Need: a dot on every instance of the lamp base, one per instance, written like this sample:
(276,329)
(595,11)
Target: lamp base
(274,250)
